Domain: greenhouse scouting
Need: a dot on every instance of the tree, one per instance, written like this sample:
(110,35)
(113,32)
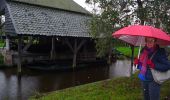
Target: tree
(104,24)
(156,13)
(119,13)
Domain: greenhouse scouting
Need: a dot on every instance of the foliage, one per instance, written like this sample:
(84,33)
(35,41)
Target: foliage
(156,13)
(119,13)
(113,89)
(1,32)
(102,25)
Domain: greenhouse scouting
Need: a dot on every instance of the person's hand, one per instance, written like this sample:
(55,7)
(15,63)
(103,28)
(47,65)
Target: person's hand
(136,61)
(151,64)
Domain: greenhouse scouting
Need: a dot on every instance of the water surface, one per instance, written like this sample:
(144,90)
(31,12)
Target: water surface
(13,87)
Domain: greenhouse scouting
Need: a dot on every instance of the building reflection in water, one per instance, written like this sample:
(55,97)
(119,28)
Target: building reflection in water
(14,87)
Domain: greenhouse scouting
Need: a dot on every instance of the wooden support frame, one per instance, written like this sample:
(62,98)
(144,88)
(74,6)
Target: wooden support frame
(75,49)
(69,44)
(28,45)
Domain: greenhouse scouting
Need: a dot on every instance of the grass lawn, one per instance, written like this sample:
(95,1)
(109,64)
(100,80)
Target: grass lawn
(1,44)
(123,88)
(127,51)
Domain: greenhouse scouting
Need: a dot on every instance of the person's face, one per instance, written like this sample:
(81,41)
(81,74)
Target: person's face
(150,42)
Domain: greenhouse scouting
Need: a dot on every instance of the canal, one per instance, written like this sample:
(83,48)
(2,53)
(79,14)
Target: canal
(32,82)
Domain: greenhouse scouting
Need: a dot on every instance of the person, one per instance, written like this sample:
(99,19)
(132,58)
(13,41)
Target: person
(151,89)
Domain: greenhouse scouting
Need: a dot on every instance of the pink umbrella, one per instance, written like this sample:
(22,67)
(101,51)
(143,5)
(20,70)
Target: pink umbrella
(135,34)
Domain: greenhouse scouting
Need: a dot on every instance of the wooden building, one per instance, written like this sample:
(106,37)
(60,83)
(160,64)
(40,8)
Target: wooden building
(46,29)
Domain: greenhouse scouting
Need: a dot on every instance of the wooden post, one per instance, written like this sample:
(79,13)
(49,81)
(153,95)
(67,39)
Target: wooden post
(7,43)
(85,51)
(75,53)
(53,53)
(19,54)
(132,57)
(75,49)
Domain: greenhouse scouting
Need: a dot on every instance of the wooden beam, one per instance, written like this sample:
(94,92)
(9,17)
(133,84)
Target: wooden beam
(53,53)
(75,49)
(81,44)
(75,53)
(69,45)
(28,45)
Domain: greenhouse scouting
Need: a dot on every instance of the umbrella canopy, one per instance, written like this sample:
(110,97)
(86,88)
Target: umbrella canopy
(135,34)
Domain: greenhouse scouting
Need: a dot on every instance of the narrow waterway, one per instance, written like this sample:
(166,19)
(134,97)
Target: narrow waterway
(31,82)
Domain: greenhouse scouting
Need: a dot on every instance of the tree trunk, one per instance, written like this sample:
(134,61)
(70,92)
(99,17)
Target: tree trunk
(131,70)
(141,12)
(110,55)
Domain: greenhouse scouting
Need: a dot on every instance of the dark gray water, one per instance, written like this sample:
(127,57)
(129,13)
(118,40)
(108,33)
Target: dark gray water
(31,82)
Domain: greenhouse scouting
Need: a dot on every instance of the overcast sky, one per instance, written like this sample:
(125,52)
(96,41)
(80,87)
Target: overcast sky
(83,4)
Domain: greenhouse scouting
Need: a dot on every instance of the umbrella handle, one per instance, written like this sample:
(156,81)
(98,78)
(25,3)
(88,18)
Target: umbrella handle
(136,66)
(139,50)
(139,53)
